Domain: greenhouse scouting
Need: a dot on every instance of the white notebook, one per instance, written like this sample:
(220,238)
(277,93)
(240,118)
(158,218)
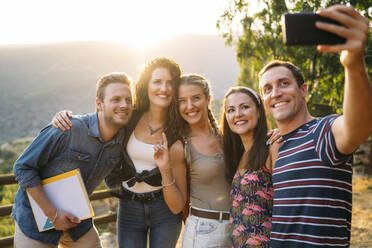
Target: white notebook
(66,192)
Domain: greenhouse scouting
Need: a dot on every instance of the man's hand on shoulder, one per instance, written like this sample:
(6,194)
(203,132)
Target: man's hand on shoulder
(61,120)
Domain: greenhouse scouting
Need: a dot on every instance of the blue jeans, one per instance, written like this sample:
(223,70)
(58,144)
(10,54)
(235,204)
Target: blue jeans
(137,218)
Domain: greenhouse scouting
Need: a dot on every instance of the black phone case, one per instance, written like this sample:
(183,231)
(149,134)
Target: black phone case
(299,29)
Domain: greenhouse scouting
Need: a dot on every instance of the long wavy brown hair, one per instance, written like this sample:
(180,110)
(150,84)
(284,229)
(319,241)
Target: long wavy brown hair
(141,97)
(232,144)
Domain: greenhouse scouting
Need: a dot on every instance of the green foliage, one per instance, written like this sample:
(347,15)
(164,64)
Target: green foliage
(6,166)
(257,38)
(103,228)
(9,153)
(8,194)
(7,198)
(101,186)
(6,226)
(6,154)
(7,158)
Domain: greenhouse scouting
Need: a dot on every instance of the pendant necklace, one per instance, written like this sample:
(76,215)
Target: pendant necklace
(152,131)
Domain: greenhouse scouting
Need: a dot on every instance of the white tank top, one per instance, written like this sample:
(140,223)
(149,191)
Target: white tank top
(142,155)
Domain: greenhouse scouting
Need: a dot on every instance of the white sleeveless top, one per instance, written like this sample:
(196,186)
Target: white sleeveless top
(142,155)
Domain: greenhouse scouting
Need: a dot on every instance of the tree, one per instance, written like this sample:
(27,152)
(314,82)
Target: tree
(257,38)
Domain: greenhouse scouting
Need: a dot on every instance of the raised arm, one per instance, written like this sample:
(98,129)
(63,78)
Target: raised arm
(355,125)
(173,172)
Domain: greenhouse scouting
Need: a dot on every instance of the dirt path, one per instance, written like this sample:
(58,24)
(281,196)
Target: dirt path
(361,226)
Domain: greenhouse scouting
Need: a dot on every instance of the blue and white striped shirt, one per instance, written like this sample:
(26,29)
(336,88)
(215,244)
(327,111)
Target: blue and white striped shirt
(312,189)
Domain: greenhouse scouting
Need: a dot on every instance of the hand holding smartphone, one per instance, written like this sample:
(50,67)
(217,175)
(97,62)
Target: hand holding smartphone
(299,30)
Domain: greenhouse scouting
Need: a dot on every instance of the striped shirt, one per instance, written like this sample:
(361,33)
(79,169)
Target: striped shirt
(312,189)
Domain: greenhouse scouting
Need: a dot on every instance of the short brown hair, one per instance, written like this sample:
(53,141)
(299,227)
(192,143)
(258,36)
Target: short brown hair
(294,69)
(113,77)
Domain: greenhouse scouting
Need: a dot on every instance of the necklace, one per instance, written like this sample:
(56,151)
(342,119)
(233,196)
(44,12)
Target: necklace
(152,131)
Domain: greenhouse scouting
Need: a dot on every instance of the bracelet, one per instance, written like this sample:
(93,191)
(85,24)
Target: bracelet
(55,217)
(170,184)
(168,168)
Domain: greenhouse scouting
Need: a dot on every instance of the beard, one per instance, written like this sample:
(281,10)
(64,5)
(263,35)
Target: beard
(113,122)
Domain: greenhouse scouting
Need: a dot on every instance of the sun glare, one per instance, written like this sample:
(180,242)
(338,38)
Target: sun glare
(141,38)
(140,23)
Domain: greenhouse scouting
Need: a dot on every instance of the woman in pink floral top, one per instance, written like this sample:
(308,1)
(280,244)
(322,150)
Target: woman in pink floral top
(249,162)
(252,200)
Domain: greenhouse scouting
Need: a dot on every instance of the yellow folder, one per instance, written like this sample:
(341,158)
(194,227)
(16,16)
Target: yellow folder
(66,192)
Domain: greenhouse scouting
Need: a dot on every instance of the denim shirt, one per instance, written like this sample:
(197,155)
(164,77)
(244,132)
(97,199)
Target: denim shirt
(54,152)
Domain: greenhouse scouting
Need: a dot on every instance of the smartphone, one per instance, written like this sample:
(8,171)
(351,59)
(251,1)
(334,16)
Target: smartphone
(299,30)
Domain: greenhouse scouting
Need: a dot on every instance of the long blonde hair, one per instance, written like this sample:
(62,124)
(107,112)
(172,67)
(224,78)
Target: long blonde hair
(203,83)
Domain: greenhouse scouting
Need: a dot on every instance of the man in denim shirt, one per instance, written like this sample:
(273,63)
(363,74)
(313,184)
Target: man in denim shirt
(93,145)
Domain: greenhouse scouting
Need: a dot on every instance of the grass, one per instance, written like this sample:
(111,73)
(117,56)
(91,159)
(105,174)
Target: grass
(361,226)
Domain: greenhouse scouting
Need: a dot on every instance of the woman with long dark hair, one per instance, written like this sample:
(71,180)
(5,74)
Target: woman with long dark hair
(249,162)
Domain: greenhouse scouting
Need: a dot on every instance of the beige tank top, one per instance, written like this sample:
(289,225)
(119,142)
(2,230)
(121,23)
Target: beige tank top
(208,188)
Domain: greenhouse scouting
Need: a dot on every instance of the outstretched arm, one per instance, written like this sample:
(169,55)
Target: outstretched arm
(355,125)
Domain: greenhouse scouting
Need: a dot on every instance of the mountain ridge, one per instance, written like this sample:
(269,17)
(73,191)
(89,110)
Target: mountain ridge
(36,80)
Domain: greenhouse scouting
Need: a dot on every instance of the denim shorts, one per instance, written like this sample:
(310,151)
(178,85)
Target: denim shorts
(138,218)
(202,233)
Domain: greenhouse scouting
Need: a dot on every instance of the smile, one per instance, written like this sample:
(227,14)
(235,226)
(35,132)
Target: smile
(241,122)
(122,113)
(280,104)
(163,96)
(191,113)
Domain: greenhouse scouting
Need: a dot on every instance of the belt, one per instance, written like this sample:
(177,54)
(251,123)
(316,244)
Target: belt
(145,197)
(218,215)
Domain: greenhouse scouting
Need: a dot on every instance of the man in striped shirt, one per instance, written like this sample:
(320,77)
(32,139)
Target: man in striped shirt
(312,175)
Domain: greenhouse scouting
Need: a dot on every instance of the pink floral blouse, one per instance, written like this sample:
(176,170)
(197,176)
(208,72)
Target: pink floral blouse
(252,203)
